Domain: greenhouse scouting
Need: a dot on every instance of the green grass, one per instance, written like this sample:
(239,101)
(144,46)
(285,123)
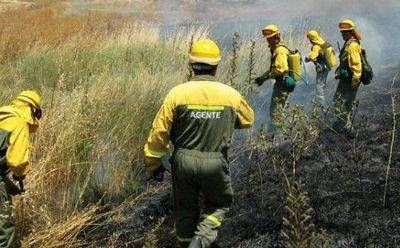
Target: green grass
(99,103)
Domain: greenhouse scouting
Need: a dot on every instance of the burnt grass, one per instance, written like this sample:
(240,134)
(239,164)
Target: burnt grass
(345,180)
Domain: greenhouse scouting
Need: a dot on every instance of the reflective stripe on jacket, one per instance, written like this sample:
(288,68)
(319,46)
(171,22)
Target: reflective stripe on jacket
(200,115)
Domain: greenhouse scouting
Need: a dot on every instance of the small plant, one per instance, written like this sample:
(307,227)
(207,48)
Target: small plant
(300,128)
(297,229)
(394,126)
(189,67)
(252,63)
(233,63)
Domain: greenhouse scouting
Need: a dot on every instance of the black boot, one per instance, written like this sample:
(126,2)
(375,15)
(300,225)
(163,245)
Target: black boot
(195,243)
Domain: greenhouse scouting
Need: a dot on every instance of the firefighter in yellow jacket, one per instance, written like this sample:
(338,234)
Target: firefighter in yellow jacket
(199,118)
(322,66)
(349,74)
(279,70)
(17,121)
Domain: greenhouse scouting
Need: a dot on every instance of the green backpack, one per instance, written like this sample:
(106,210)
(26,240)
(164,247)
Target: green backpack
(367,73)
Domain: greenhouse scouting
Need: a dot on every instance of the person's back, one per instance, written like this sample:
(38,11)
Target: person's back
(199,118)
(205,114)
(17,121)
(11,125)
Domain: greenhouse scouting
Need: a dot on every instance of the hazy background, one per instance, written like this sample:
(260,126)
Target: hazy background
(377,21)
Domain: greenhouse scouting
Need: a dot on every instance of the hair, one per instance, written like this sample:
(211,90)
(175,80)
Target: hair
(204,69)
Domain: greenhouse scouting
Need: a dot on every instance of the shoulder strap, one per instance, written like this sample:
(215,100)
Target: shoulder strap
(282,45)
(326,45)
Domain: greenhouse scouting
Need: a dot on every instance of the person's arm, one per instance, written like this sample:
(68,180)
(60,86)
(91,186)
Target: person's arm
(18,150)
(281,65)
(245,114)
(158,141)
(260,80)
(314,53)
(355,65)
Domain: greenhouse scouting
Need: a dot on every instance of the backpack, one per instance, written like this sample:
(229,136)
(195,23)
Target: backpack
(4,143)
(329,54)
(294,63)
(367,73)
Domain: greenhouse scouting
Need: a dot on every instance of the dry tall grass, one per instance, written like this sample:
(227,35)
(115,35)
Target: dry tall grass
(44,24)
(102,79)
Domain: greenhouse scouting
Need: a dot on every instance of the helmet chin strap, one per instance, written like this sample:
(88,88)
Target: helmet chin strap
(201,66)
(36,112)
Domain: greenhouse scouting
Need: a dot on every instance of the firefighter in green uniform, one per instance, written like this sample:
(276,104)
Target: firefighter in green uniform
(199,118)
(322,67)
(17,121)
(349,74)
(279,70)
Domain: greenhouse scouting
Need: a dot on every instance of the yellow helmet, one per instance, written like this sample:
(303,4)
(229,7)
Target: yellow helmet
(270,31)
(348,25)
(205,51)
(315,37)
(30,97)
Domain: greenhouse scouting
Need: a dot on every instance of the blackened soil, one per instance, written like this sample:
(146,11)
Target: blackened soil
(345,179)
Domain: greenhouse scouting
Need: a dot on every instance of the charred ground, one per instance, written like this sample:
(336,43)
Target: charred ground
(344,178)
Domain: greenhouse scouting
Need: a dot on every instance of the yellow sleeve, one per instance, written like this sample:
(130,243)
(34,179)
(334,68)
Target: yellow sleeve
(18,150)
(281,62)
(354,51)
(314,53)
(158,141)
(245,114)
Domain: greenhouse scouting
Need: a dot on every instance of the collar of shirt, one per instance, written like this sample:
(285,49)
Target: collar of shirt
(203,78)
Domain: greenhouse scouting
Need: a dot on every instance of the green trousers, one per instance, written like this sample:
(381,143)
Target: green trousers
(195,172)
(344,98)
(7,232)
(280,94)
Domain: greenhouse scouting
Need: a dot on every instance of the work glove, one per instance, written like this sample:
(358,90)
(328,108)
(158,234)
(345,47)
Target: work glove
(158,174)
(289,81)
(342,74)
(11,187)
(18,178)
(259,81)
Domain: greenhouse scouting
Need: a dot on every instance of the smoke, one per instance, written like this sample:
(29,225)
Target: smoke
(377,20)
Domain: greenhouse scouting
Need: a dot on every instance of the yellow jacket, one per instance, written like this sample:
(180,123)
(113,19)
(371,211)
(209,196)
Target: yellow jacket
(350,60)
(14,132)
(354,59)
(317,42)
(279,61)
(315,52)
(199,115)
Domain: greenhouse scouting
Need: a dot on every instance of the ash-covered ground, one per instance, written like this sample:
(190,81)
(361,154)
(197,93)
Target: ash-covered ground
(345,180)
